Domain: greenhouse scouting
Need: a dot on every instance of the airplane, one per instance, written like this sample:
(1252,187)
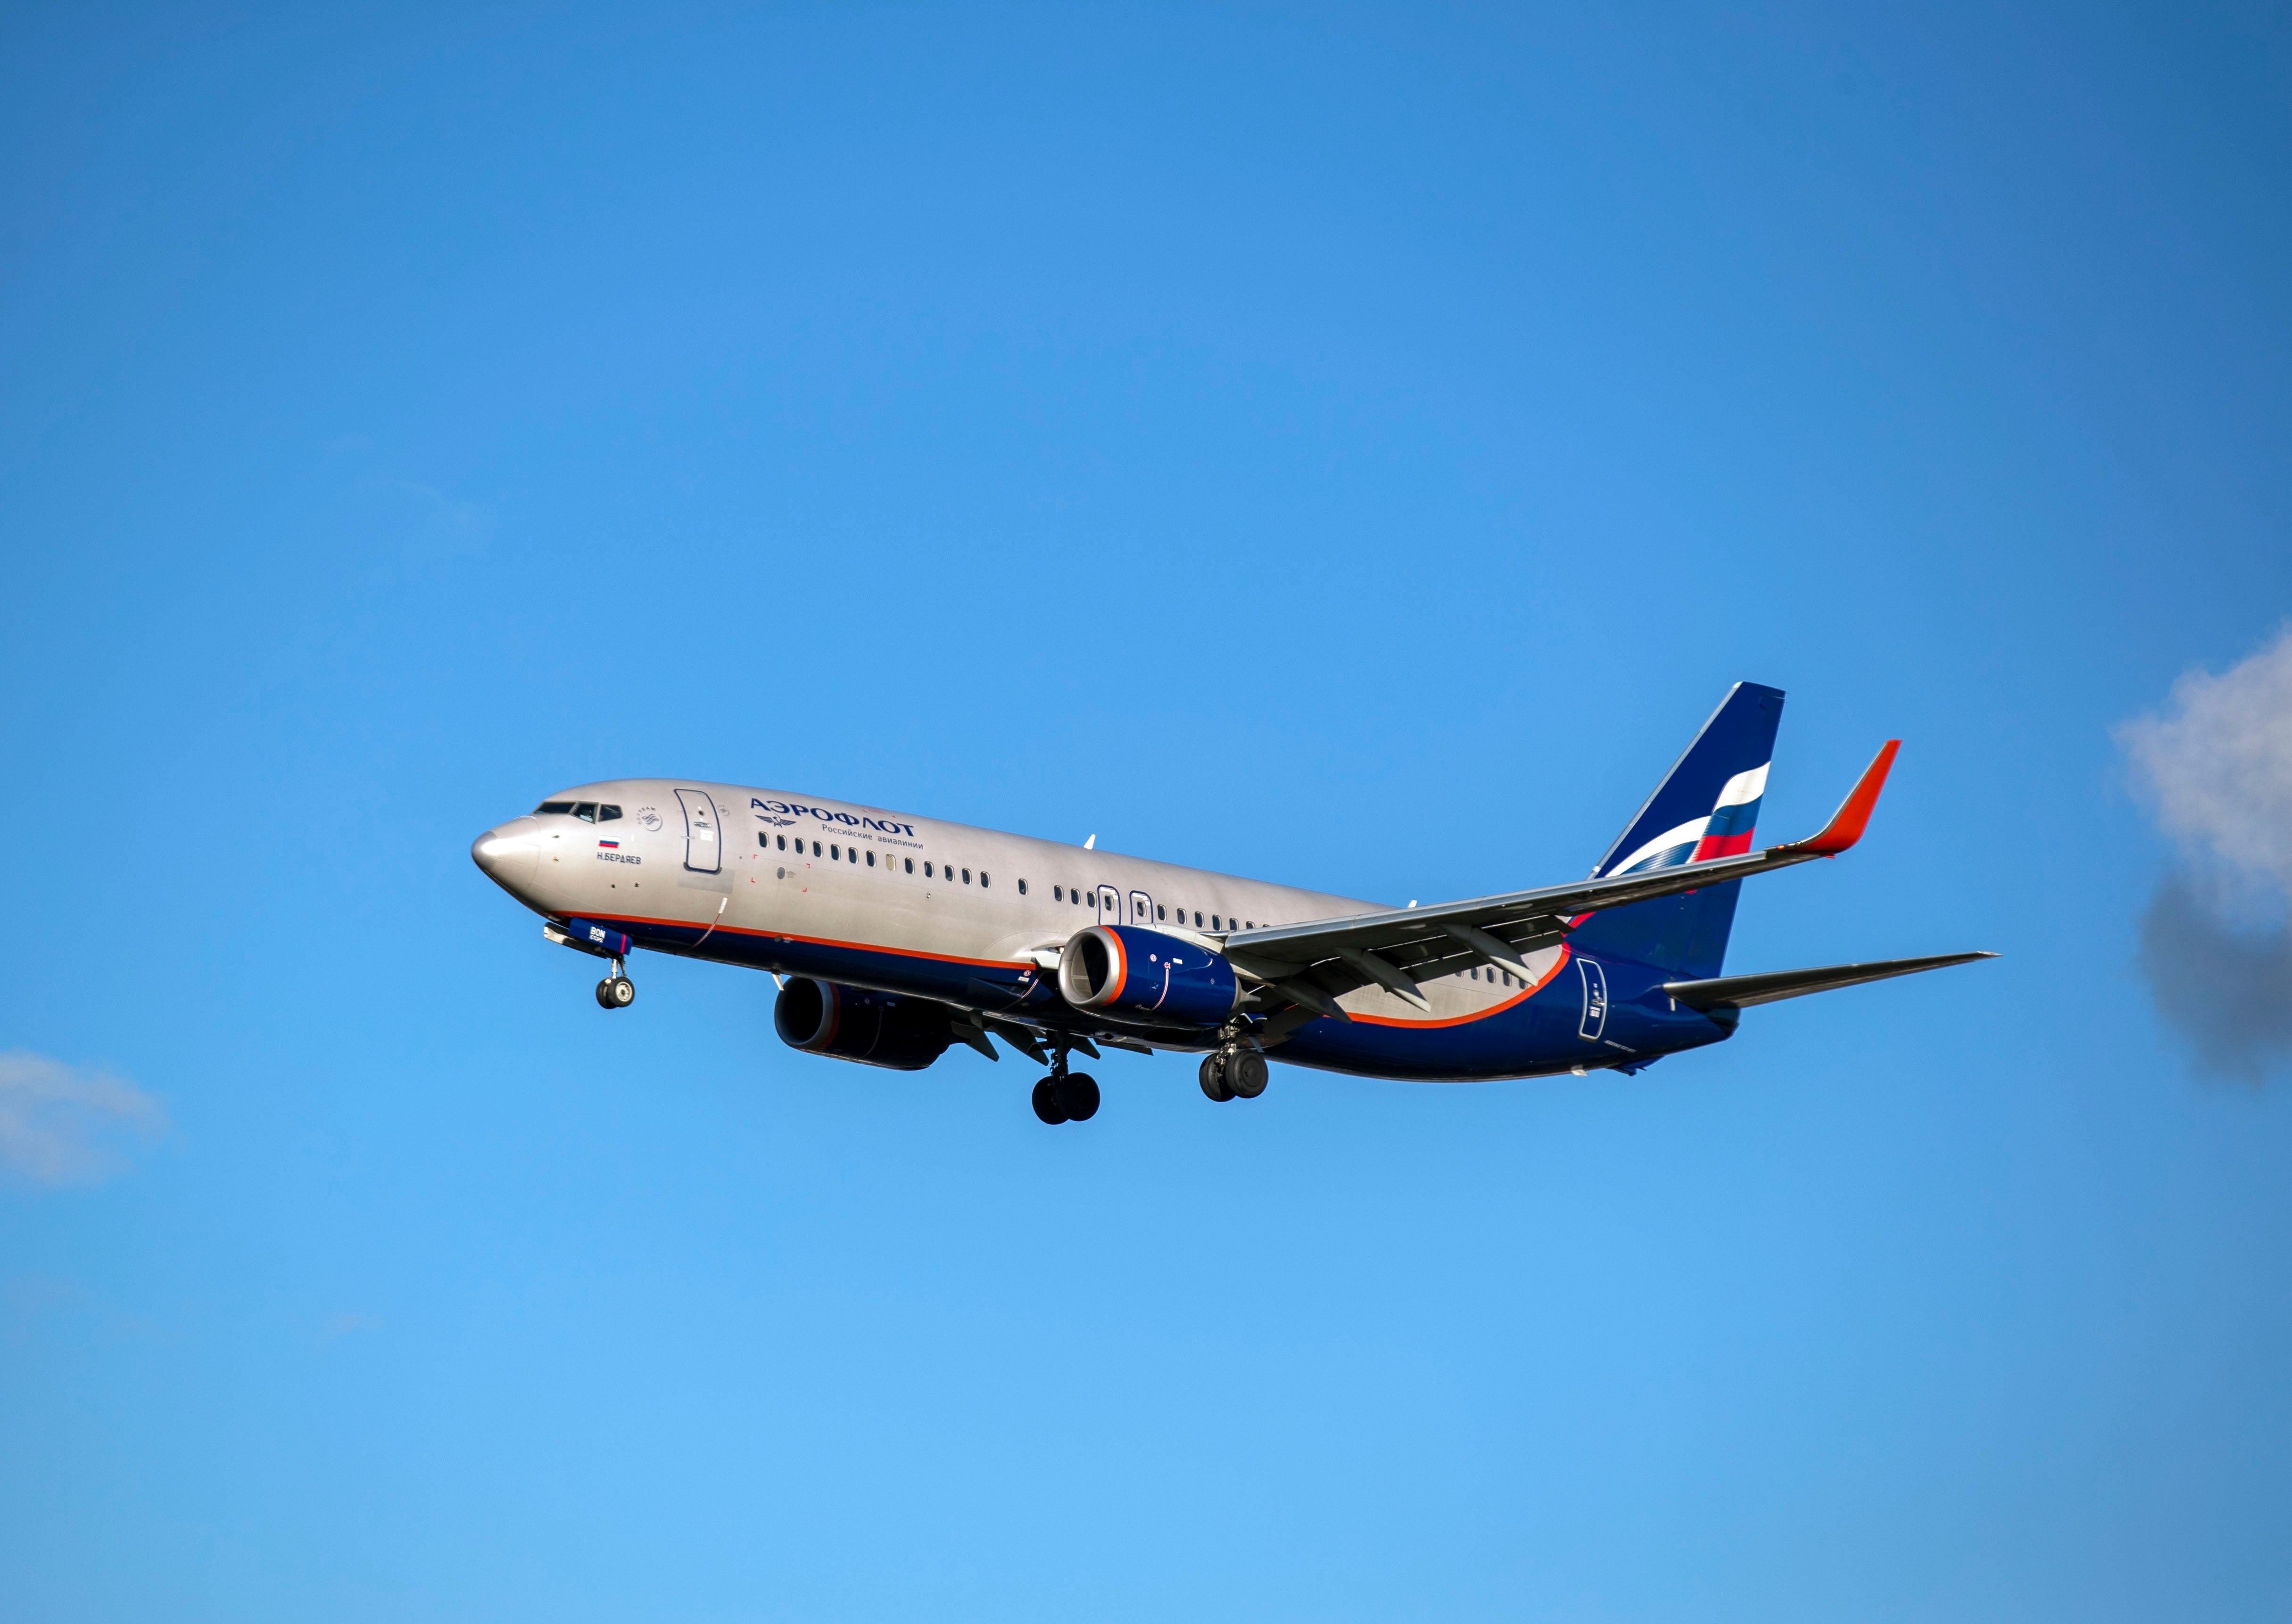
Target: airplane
(893,937)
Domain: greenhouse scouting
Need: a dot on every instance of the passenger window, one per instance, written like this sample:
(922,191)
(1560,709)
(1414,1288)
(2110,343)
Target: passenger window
(1197,918)
(1475,972)
(834,855)
(1058,893)
(850,854)
(1160,912)
(764,841)
(815,848)
(586,811)
(927,869)
(783,840)
(1022,888)
(966,876)
(1213,923)
(606,814)
(911,866)
(871,860)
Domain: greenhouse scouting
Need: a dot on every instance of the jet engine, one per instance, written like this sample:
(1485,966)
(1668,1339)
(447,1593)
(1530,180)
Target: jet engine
(876,1029)
(1123,970)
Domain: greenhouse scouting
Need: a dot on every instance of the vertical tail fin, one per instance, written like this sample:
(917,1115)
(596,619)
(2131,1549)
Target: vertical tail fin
(1707,806)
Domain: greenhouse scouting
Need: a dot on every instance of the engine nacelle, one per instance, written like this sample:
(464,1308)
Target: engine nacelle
(876,1029)
(1123,970)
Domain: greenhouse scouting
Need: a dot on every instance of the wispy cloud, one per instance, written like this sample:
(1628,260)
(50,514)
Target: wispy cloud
(422,516)
(335,1327)
(31,1302)
(68,1125)
(2216,942)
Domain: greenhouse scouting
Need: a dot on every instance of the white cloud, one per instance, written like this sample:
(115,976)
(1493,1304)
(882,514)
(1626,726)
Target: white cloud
(2218,764)
(2215,942)
(66,1125)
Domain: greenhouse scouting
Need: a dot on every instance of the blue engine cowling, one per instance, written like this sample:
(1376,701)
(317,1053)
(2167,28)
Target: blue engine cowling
(1123,970)
(876,1029)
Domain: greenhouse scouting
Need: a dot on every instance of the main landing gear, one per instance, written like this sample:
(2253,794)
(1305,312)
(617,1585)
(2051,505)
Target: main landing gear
(1233,1073)
(617,990)
(1065,1095)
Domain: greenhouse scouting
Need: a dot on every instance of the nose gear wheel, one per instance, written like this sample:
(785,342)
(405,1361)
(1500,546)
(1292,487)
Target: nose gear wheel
(617,990)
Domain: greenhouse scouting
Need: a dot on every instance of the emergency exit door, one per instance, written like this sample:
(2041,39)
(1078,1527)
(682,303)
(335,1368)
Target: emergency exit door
(1595,999)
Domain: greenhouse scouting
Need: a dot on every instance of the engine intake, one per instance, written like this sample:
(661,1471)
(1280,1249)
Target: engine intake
(1123,970)
(875,1029)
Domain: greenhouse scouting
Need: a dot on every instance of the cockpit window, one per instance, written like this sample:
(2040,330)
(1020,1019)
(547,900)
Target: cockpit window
(554,807)
(586,811)
(606,814)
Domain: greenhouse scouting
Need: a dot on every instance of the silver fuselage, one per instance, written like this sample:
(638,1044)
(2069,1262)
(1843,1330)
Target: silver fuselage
(799,884)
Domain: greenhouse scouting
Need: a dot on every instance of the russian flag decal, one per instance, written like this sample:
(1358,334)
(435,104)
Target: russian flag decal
(610,845)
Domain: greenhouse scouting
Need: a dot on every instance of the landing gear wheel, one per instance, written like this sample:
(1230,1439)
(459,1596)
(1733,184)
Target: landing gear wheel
(605,993)
(1245,1072)
(1080,1096)
(1214,1083)
(1050,1101)
(616,992)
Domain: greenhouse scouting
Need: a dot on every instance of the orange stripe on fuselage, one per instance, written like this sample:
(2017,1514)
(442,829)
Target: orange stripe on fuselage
(1493,1009)
(821,941)
(1121,958)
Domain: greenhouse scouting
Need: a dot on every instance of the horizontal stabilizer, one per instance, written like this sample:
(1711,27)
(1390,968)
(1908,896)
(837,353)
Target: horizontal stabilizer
(1738,991)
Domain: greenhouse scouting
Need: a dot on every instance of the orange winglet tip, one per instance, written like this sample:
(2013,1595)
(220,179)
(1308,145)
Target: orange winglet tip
(1853,815)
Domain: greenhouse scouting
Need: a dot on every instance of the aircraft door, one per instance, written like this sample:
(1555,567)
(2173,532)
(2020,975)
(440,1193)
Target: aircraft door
(703,847)
(1596,1000)
(1110,905)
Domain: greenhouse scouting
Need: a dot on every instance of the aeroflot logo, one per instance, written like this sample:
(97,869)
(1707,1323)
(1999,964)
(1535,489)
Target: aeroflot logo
(794,809)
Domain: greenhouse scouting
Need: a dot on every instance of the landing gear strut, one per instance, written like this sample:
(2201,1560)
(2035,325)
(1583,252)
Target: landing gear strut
(1065,1095)
(617,990)
(1233,1073)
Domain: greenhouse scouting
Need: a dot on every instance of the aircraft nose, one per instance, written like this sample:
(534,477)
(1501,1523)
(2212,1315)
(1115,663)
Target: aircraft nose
(505,857)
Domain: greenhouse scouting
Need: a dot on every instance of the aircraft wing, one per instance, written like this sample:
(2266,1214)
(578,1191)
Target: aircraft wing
(1311,965)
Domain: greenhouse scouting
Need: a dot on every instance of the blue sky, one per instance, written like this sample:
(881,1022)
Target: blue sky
(1353,446)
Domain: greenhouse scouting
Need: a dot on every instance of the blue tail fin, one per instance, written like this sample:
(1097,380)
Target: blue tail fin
(1706,807)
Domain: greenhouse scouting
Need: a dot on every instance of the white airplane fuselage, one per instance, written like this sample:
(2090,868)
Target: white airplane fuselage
(860,897)
(897,936)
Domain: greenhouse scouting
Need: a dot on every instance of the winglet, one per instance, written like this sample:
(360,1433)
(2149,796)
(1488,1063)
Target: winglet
(1853,815)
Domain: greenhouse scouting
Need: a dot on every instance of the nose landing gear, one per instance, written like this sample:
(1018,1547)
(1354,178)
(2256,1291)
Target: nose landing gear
(1065,1095)
(617,990)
